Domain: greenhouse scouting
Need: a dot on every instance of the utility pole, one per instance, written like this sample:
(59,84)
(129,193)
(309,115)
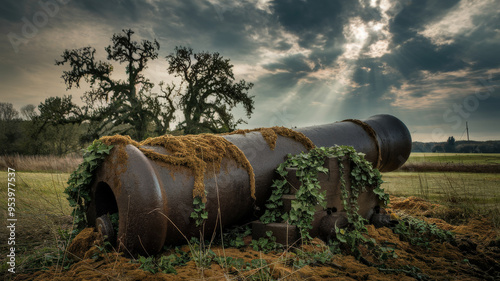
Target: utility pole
(467,128)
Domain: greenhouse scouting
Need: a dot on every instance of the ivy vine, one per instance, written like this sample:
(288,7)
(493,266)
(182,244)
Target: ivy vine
(309,194)
(79,182)
(362,175)
(199,213)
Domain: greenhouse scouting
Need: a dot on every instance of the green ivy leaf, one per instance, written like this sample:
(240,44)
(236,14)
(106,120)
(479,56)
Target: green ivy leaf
(78,188)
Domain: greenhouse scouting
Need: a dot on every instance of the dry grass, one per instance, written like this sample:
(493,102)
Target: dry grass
(43,220)
(471,194)
(41,163)
(450,167)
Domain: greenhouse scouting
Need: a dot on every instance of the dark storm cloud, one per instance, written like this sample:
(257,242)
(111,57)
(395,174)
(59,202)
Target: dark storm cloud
(112,9)
(295,63)
(224,27)
(374,78)
(316,21)
(13,11)
(482,44)
(415,53)
(420,54)
(318,27)
(415,14)
(274,85)
(307,19)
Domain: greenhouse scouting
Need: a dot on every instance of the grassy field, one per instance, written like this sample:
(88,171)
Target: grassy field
(468,182)
(436,186)
(470,194)
(43,219)
(457,158)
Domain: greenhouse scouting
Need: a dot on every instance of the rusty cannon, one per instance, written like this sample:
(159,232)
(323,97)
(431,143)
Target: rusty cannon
(152,185)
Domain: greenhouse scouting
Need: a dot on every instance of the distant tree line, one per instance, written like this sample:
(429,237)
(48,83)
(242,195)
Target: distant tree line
(451,145)
(205,96)
(20,133)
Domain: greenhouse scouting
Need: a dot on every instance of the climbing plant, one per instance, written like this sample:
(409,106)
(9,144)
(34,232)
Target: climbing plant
(199,213)
(309,194)
(362,175)
(78,189)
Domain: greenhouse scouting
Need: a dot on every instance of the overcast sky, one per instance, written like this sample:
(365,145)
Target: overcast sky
(433,64)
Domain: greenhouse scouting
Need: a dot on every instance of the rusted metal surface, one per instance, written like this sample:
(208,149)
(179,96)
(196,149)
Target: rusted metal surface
(154,200)
(393,139)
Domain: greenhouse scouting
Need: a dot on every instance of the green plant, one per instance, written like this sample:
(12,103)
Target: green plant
(420,233)
(78,189)
(103,248)
(226,262)
(165,264)
(308,196)
(266,244)
(320,255)
(44,258)
(201,255)
(261,270)
(114,221)
(234,237)
(63,234)
(234,265)
(257,269)
(386,251)
(199,214)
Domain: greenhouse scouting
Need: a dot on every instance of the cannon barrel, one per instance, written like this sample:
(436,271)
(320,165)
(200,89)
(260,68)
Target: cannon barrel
(154,200)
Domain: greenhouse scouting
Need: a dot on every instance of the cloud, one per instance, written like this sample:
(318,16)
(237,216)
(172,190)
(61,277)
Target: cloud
(409,17)
(458,21)
(439,90)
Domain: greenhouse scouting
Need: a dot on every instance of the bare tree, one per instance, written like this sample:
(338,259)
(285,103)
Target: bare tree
(28,111)
(8,112)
